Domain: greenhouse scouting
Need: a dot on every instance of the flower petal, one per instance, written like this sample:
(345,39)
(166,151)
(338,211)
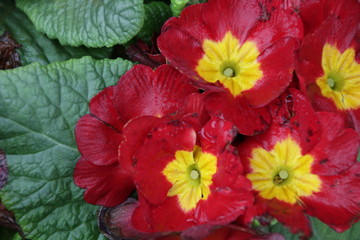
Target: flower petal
(338,202)
(102,107)
(97,141)
(105,185)
(142,91)
(248,120)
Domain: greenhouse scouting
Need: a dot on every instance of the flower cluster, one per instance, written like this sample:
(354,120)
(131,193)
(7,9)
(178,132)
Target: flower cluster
(256,116)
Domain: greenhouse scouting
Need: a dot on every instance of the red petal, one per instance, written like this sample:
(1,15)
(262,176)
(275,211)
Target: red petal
(338,148)
(338,202)
(102,106)
(105,185)
(314,12)
(293,111)
(225,204)
(217,134)
(277,64)
(247,119)
(134,135)
(195,104)
(142,91)
(279,24)
(97,141)
(163,218)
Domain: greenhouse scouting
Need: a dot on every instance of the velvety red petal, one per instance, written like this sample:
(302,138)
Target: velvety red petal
(225,204)
(277,64)
(194,103)
(97,141)
(278,24)
(338,202)
(248,120)
(134,134)
(338,148)
(102,107)
(163,218)
(217,134)
(293,110)
(314,12)
(237,16)
(157,151)
(142,91)
(105,185)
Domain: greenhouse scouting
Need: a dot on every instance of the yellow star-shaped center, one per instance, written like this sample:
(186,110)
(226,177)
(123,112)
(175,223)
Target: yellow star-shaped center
(235,66)
(283,173)
(190,174)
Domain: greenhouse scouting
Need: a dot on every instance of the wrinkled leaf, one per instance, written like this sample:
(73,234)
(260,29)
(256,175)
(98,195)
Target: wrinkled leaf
(9,58)
(156,13)
(39,106)
(177,6)
(92,23)
(320,231)
(35,46)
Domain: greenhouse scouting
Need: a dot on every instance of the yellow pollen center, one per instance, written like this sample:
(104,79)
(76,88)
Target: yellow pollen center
(283,173)
(229,72)
(194,174)
(235,66)
(341,79)
(190,174)
(331,82)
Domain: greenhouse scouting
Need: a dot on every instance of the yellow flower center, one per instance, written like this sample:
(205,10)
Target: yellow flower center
(232,64)
(283,173)
(190,174)
(341,79)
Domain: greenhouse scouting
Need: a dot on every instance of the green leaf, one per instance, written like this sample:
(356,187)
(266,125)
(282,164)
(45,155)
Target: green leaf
(92,23)
(177,6)
(321,231)
(156,13)
(36,47)
(39,107)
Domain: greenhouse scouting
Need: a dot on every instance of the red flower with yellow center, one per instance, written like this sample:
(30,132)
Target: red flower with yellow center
(300,166)
(242,51)
(329,64)
(140,92)
(185,177)
(235,66)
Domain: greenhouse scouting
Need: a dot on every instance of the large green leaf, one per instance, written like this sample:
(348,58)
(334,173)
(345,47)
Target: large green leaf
(92,23)
(156,13)
(36,47)
(321,231)
(39,106)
